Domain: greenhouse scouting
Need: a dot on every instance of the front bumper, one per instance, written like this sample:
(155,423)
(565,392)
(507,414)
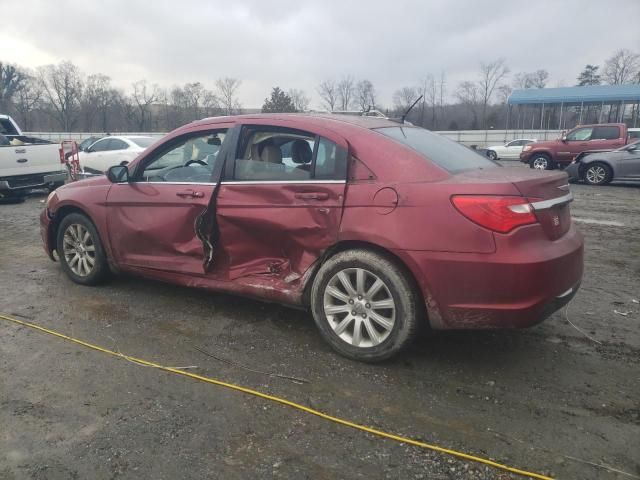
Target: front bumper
(573,170)
(518,286)
(45,233)
(19,183)
(525,157)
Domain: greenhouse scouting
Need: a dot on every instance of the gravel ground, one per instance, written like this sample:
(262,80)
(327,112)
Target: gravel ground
(549,399)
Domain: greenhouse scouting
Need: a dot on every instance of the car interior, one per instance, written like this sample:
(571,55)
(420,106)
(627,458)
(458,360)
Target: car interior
(269,155)
(192,160)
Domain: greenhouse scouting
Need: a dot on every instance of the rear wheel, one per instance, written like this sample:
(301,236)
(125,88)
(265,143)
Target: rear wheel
(541,162)
(597,174)
(80,250)
(364,305)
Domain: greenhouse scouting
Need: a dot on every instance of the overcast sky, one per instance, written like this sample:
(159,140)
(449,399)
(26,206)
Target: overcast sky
(296,44)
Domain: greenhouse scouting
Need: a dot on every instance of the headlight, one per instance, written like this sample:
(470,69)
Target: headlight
(527,148)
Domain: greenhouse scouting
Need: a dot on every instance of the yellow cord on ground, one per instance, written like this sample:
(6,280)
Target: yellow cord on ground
(283,401)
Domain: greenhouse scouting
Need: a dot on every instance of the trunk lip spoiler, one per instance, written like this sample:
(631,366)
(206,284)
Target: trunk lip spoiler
(552,202)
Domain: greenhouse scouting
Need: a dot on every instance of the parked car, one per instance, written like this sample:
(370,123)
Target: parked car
(561,152)
(375,226)
(112,150)
(510,149)
(26,163)
(603,167)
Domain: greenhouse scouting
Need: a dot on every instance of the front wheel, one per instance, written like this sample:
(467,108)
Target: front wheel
(541,162)
(80,250)
(365,306)
(492,155)
(598,174)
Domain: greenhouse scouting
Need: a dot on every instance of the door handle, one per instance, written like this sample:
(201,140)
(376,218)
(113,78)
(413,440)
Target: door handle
(190,193)
(312,196)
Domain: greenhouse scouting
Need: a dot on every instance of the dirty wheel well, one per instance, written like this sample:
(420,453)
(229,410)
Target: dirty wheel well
(356,244)
(60,214)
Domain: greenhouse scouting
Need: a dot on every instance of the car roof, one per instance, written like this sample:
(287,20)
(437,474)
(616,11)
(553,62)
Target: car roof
(326,118)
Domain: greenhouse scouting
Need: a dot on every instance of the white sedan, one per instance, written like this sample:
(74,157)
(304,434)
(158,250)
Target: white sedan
(112,150)
(511,149)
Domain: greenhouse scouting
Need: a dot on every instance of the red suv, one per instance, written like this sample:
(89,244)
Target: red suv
(375,226)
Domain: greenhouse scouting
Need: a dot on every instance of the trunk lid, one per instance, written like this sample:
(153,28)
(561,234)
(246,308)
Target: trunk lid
(547,191)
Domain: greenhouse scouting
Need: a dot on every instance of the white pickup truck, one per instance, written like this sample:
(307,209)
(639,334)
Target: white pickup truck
(27,163)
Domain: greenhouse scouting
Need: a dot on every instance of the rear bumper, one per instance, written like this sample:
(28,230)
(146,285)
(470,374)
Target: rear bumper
(26,182)
(516,287)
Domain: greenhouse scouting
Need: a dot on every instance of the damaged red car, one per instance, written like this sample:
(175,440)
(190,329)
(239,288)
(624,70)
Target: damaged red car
(374,226)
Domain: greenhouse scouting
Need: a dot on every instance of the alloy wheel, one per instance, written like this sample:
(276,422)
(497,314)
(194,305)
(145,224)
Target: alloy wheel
(540,163)
(79,249)
(359,307)
(596,174)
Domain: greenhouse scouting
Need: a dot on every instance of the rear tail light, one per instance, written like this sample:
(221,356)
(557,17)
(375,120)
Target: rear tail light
(497,213)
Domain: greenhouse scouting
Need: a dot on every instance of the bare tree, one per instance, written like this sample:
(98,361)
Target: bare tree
(142,97)
(504,91)
(429,92)
(62,86)
(328,91)
(468,94)
(365,95)
(442,92)
(299,99)
(226,89)
(11,79)
(623,67)
(404,97)
(490,75)
(26,99)
(345,92)
(537,79)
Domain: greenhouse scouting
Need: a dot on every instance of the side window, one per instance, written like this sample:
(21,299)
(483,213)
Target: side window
(117,144)
(606,133)
(275,154)
(331,161)
(187,159)
(581,134)
(101,145)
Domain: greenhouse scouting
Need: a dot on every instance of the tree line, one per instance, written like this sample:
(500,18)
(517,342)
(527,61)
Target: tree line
(61,97)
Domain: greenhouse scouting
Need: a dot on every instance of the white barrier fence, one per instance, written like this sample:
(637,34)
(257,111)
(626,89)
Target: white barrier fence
(481,138)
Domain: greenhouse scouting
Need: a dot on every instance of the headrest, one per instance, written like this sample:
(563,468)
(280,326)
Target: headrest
(301,152)
(271,154)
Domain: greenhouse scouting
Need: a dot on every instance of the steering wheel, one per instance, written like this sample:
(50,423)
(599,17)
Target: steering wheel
(199,162)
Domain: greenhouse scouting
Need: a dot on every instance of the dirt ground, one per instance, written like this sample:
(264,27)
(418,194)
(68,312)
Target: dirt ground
(548,399)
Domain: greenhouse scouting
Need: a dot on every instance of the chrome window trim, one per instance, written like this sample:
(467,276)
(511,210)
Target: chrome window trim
(544,204)
(242,182)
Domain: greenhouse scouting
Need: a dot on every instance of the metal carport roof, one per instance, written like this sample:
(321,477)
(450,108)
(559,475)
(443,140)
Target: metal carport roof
(591,93)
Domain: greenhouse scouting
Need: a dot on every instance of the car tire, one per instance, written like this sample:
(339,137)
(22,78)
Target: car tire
(597,173)
(80,250)
(364,305)
(492,155)
(541,161)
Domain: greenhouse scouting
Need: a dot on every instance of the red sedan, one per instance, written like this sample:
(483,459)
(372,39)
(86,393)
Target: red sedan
(375,226)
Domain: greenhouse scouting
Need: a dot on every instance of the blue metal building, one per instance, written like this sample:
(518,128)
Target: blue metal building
(599,103)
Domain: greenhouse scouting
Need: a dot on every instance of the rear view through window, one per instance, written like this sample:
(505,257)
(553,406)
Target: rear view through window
(445,153)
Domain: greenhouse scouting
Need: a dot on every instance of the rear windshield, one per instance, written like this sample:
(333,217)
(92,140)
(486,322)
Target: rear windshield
(143,142)
(445,153)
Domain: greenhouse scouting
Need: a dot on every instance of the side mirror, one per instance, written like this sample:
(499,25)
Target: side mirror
(118,174)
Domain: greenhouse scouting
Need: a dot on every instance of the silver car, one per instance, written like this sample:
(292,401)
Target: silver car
(600,168)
